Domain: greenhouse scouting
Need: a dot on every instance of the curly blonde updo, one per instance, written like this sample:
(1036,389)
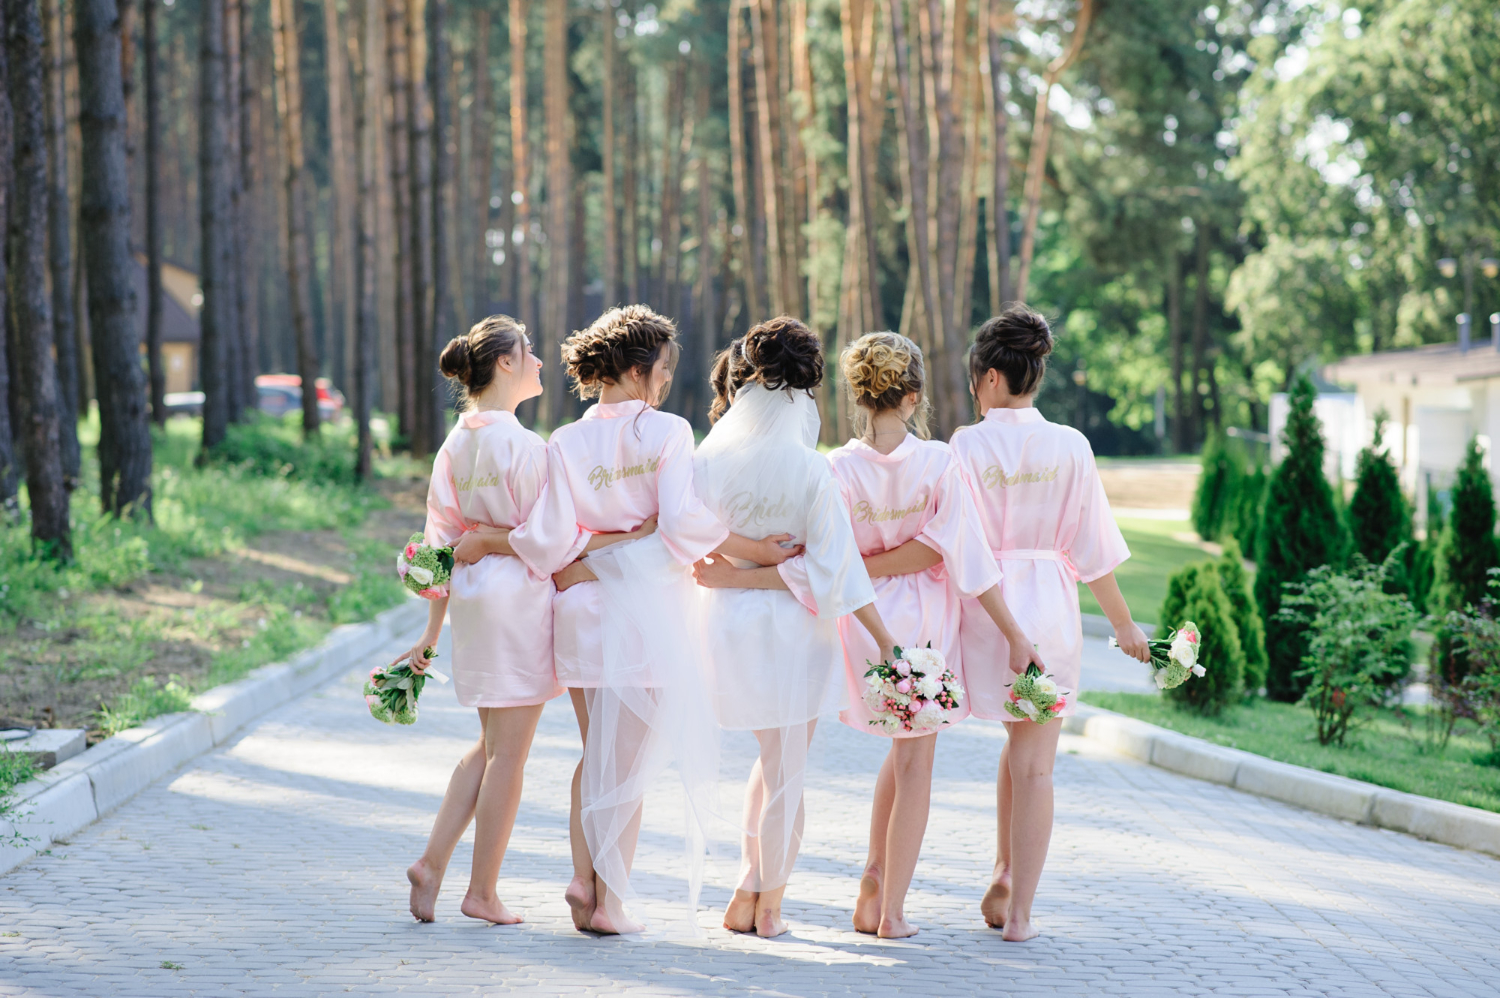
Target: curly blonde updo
(881,370)
(470,359)
(624,339)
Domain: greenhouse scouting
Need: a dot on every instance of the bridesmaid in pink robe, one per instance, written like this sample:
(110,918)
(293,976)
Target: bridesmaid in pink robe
(924,549)
(1049,525)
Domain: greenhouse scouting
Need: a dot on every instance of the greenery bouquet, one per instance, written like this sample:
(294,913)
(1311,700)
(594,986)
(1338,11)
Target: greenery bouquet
(392,690)
(1174,658)
(425,569)
(1034,696)
(913,693)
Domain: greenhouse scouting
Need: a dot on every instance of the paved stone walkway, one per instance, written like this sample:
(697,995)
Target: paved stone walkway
(274,866)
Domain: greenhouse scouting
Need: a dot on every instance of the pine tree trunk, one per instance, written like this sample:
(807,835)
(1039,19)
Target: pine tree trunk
(743,210)
(999,220)
(216,315)
(482,160)
(398,151)
(247,214)
(234,352)
(610,268)
(9,472)
(1200,335)
(299,257)
(559,192)
(59,247)
(1174,337)
(341,262)
(157,372)
(861,253)
(763,52)
(520,153)
(104,212)
(704,308)
(630,233)
(426,432)
(670,227)
(361,46)
(26,227)
(442,178)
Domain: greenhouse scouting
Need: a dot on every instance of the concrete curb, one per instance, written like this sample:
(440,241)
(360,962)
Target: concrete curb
(1336,796)
(73,794)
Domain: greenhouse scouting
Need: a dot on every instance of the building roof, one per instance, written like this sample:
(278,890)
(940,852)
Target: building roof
(1437,364)
(180,301)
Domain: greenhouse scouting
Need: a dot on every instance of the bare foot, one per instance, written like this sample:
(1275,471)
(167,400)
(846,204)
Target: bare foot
(424,890)
(1018,930)
(581,902)
(739,915)
(867,908)
(896,928)
(768,923)
(613,924)
(492,910)
(996,902)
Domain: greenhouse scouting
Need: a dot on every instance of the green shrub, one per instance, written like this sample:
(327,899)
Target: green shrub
(1249,508)
(1358,636)
(1379,516)
(1464,554)
(145,700)
(1195,593)
(275,448)
(1476,636)
(1218,487)
(1299,531)
(1252,630)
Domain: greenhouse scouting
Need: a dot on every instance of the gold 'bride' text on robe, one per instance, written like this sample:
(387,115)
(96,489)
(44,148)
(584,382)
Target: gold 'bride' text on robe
(746,509)
(485,481)
(602,477)
(865,513)
(995,475)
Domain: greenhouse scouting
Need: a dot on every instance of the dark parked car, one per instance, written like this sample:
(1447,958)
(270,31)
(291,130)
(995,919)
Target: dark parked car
(280,394)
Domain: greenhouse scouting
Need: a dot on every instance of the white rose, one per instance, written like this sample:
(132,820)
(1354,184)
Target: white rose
(875,700)
(873,681)
(1027,707)
(422,575)
(1043,684)
(929,687)
(1160,675)
(1198,670)
(1183,652)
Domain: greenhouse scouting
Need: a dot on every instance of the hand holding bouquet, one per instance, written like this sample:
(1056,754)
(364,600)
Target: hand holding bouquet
(392,690)
(425,569)
(1175,657)
(1034,696)
(914,693)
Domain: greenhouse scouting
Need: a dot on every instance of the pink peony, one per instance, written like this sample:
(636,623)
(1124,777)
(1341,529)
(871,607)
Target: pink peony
(1061,703)
(411,551)
(371,699)
(904,686)
(903,667)
(434,592)
(917,705)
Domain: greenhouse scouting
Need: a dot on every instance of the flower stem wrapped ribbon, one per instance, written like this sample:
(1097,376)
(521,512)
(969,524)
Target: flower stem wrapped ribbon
(1175,657)
(425,569)
(391,692)
(913,693)
(1034,696)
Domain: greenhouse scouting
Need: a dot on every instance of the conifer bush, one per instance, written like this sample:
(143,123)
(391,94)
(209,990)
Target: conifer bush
(1379,516)
(1214,501)
(1249,507)
(1465,553)
(1252,630)
(1195,593)
(1299,530)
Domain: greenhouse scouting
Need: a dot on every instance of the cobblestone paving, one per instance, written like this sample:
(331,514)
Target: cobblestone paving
(274,866)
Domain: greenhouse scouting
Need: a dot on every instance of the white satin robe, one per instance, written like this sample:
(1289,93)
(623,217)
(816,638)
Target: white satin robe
(490,472)
(1049,525)
(916,492)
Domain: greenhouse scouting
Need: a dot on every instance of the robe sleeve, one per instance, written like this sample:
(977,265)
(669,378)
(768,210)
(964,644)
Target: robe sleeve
(550,538)
(955,532)
(687,527)
(528,479)
(1097,547)
(445,521)
(829,578)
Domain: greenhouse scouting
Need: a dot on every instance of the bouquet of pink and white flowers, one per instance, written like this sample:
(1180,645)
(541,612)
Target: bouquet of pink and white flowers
(391,692)
(913,693)
(425,569)
(1174,658)
(1034,696)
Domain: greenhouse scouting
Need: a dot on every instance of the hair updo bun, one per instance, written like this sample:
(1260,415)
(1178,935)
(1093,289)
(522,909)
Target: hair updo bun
(783,353)
(1016,343)
(621,340)
(470,359)
(881,370)
(729,372)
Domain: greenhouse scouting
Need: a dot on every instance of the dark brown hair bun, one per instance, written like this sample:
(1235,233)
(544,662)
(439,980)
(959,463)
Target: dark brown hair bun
(622,339)
(1016,343)
(783,353)
(729,372)
(470,359)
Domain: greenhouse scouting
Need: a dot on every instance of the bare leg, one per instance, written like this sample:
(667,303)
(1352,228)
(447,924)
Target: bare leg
(1033,751)
(580,894)
(632,738)
(454,814)
(739,915)
(507,741)
(609,916)
(997,897)
(911,760)
(783,763)
(867,908)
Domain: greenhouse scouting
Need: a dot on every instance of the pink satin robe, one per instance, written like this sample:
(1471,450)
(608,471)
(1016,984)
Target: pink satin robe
(1049,525)
(916,492)
(607,473)
(490,472)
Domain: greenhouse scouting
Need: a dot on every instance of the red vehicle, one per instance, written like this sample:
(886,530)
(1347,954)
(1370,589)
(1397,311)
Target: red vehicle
(279,394)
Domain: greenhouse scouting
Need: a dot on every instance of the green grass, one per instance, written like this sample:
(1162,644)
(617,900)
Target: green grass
(1154,555)
(142,702)
(1388,750)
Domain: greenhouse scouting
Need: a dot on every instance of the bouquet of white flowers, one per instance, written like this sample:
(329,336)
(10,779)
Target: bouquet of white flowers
(425,569)
(1175,657)
(913,693)
(1034,696)
(392,690)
